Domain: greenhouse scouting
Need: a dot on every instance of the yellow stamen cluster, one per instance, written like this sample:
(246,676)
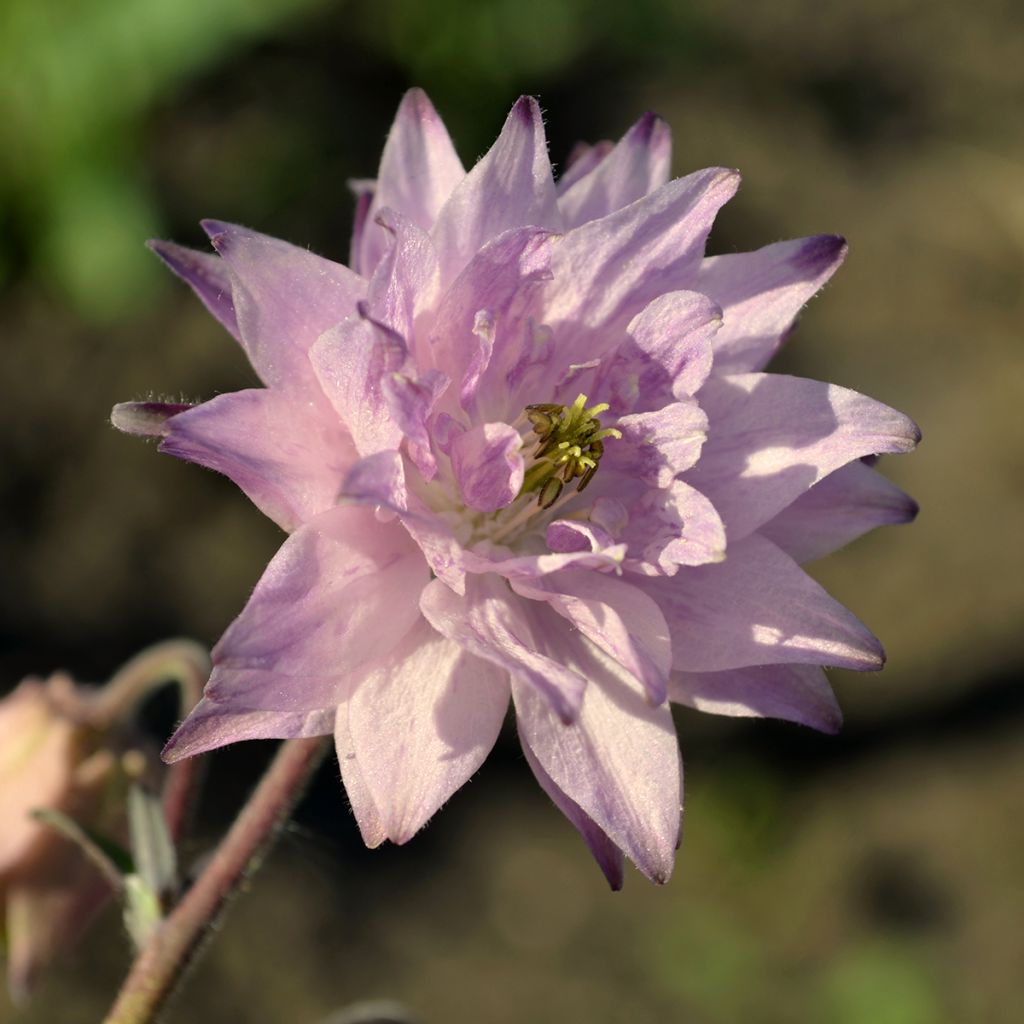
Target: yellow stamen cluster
(570,446)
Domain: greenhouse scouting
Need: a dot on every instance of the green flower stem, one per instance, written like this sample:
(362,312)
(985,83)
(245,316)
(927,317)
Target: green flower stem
(161,964)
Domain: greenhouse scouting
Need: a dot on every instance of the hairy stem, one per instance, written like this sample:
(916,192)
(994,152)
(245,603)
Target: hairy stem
(161,964)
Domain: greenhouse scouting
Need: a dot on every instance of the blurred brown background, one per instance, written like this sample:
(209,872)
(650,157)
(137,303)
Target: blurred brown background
(873,877)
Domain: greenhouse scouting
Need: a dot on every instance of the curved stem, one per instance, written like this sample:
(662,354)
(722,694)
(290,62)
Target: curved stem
(161,964)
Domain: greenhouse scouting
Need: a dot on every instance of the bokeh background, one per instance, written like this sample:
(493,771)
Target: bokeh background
(873,877)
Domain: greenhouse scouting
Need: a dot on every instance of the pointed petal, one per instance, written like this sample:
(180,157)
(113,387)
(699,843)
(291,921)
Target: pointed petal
(638,165)
(206,274)
(212,724)
(511,187)
(665,355)
(795,693)
(145,419)
(619,761)
(288,456)
(758,607)
(488,465)
(421,724)
(494,624)
(622,620)
(608,856)
(368,818)
(771,437)
(607,271)
(285,298)
(419,169)
(761,294)
(837,510)
(340,593)
(582,160)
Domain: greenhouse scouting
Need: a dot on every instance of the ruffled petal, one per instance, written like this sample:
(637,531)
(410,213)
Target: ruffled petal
(622,620)
(488,465)
(670,527)
(421,723)
(761,294)
(419,169)
(638,165)
(341,593)
(657,446)
(795,693)
(208,277)
(758,607)
(837,510)
(477,331)
(609,857)
(607,271)
(493,623)
(289,457)
(349,362)
(511,187)
(771,437)
(665,355)
(284,298)
(213,724)
(619,761)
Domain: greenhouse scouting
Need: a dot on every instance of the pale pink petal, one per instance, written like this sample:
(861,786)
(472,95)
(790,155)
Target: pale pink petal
(608,856)
(758,607)
(639,164)
(289,457)
(493,623)
(488,465)
(670,527)
(419,170)
(421,723)
(284,298)
(622,620)
(511,187)
(368,817)
(482,308)
(657,446)
(213,724)
(665,354)
(795,693)
(342,591)
(619,761)
(761,294)
(836,510)
(206,274)
(406,280)
(349,361)
(583,159)
(773,436)
(379,481)
(607,271)
(530,566)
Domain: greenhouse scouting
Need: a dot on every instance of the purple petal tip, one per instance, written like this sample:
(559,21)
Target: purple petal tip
(818,252)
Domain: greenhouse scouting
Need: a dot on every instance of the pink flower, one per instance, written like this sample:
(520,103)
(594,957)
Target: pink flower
(526,447)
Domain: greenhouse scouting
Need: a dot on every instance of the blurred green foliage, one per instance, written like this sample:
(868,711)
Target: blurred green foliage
(76,77)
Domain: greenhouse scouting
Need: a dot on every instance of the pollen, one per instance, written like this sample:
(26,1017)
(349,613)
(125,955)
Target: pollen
(570,443)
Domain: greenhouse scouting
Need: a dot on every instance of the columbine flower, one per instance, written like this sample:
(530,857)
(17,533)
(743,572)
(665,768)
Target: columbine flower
(526,446)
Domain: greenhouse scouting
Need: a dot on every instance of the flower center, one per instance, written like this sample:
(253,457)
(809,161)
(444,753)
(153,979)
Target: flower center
(570,446)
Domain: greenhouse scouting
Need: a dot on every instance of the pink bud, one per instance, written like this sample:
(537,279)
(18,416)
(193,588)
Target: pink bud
(51,758)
